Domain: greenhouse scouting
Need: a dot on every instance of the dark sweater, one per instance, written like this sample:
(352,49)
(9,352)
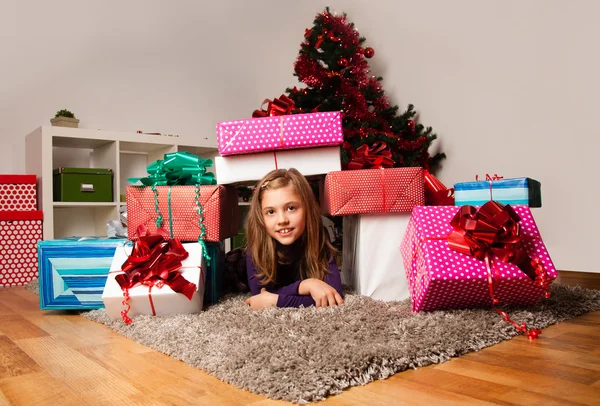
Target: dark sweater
(289,277)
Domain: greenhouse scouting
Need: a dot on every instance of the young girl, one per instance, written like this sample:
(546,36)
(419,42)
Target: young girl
(289,259)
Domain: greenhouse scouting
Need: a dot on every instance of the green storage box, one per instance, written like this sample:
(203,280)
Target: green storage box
(83,185)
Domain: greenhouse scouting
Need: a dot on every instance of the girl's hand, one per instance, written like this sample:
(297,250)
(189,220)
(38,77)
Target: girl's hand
(262,300)
(322,293)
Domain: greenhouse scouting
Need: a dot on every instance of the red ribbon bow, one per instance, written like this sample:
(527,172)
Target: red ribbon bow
(280,106)
(376,156)
(436,193)
(154,261)
(494,230)
(489,177)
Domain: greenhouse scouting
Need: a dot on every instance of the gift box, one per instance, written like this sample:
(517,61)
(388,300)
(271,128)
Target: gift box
(18,193)
(214,272)
(279,132)
(442,278)
(507,191)
(73,271)
(178,208)
(372,262)
(155,300)
(20,232)
(388,190)
(252,167)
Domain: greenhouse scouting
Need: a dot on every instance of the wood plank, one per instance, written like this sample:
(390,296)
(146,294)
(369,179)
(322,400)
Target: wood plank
(16,327)
(519,397)
(3,400)
(588,280)
(13,361)
(4,310)
(17,303)
(404,391)
(38,389)
(85,378)
(557,388)
(227,394)
(469,386)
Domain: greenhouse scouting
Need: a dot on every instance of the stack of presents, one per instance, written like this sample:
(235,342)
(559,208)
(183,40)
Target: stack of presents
(404,233)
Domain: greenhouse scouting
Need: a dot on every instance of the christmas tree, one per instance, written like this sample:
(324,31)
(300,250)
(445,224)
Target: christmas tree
(333,65)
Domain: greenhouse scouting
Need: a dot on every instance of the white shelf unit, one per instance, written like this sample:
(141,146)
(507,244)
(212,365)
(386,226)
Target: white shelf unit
(127,154)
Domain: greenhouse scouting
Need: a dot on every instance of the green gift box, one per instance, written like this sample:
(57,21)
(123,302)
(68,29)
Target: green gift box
(83,185)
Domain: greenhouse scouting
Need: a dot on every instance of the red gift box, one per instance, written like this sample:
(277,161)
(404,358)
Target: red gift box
(389,190)
(20,232)
(18,193)
(178,208)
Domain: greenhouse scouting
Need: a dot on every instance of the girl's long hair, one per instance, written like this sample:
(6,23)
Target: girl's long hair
(262,247)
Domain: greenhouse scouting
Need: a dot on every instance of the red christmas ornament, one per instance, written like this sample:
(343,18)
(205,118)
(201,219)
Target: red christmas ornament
(411,125)
(307,32)
(369,52)
(332,37)
(343,62)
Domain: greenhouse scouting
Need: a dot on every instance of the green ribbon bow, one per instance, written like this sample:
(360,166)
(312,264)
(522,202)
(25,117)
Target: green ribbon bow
(178,168)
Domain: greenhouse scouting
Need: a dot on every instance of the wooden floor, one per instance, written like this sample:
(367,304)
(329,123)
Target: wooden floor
(49,358)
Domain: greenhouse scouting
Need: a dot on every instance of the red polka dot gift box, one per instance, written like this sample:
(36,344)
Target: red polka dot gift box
(291,131)
(389,190)
(458,257)
(20,232)
(185,212)
(18,193)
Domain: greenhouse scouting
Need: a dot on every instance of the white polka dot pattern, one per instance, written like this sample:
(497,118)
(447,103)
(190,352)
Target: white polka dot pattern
(219,204)
(18,251)
(18,197)
(390,190)
(279,132)
(441,278)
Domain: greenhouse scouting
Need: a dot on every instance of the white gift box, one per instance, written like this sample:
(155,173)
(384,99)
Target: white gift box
(164,300)
(372,261)
(252,167)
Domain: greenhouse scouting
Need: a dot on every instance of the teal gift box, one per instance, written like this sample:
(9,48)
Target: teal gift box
(73,271)
(514,191)
(213,287)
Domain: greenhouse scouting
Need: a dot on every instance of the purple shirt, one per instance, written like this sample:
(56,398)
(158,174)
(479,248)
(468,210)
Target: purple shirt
(288,290)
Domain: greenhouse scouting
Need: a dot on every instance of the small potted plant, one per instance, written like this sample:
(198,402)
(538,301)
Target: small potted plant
(64,118)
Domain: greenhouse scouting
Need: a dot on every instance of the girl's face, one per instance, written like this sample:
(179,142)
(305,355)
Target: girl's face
(283,214)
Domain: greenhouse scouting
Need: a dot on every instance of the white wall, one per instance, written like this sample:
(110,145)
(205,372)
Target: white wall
(510,87)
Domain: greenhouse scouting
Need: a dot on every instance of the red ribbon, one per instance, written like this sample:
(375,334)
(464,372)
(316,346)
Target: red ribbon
(376,156)
(490,178)
(280,106)
(436,193)
(494,231)
(154,261)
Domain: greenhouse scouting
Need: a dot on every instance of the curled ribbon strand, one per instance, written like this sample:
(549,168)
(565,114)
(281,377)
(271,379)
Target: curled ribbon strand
(494,231)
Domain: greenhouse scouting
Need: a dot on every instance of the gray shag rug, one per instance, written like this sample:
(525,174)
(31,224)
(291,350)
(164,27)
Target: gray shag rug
(305,355)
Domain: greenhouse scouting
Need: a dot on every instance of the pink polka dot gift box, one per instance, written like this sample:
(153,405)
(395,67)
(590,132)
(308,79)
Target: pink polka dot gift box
(291,131)
(390,190)
(441,277)
(178,208)
(18,193)
(20,232)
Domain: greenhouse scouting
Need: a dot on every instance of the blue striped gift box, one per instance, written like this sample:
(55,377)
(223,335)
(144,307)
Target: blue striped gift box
(72,271)
(507,191)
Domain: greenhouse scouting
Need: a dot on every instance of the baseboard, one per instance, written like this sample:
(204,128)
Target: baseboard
(590,280)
